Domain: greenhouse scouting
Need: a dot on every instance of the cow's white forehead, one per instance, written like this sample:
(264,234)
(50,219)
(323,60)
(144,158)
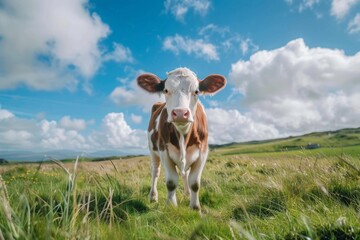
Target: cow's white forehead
(182,78)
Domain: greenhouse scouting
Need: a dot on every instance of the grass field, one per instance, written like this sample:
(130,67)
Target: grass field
(260,194)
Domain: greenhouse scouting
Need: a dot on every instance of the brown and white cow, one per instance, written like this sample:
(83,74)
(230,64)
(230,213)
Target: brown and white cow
(178,131)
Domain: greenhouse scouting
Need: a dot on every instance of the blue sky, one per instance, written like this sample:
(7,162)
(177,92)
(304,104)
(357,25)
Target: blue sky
(68,68)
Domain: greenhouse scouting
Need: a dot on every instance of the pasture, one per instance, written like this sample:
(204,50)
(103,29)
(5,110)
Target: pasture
(249,191)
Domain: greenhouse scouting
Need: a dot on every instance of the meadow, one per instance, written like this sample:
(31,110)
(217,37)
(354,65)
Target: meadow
(259,190)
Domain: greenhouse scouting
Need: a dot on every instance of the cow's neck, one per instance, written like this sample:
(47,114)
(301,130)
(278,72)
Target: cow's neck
(183,130)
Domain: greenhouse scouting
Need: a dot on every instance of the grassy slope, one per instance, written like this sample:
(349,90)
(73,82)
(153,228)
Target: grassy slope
(258,195)
(331,139)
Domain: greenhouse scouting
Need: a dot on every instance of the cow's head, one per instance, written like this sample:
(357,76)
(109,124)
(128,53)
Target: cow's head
(181,89)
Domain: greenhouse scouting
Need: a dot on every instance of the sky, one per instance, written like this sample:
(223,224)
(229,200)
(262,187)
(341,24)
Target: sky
(68,68)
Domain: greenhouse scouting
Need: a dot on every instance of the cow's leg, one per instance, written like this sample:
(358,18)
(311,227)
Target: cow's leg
(155,172)
(172,178)
(186,182)
(194,181)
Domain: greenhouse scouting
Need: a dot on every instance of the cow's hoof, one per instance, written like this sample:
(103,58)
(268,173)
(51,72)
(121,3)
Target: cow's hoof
(196,208)
(153,200)
(153,197)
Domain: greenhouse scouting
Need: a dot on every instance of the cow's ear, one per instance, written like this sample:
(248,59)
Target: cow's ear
(212,84)
(150,82)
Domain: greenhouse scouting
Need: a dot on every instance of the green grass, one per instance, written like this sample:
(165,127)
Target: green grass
(298,194)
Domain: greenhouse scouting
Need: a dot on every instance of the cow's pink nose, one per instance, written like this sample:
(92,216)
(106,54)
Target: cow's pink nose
(180,115)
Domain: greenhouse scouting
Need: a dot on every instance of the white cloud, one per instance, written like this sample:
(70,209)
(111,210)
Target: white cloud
(48,45)
(231,126)
(340,8)
(74,124)
(136,118)
(246,45)
(42,135)
(298,89)
(54,136)
(117,134)
(199,47)
(5,114)
(307,4)
(120,54)
(41,40)
(302,5)
(226,40)
(214,40)
(16,133)
(179,8)
(354,24)
(130,94)
(19,138)
(213,29)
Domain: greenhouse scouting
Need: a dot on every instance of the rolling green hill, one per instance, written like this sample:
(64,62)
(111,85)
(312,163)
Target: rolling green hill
(344,138)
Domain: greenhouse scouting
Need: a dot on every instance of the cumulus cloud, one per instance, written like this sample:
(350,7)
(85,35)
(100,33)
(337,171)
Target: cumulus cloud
(5,114)
(49,45)
(179,8)
(198,47)
(354,24)
(130,94)
(120,54)
(340,8)
(42,40)
(115,133)
(226,40)
(227,126)
(214,41)
(54,136)
(136,118)
(298,89)
(75,124)
(16,138)
(39,135)
(17,133)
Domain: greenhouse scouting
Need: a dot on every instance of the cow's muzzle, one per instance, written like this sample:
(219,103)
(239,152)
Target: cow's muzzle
(180,115)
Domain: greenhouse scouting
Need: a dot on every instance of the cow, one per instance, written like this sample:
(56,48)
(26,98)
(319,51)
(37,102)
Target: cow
(178,130)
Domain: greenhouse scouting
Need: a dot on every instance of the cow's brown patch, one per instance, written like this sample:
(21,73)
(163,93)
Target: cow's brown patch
(167,132)
(154,137)
(155,112)
(199,129)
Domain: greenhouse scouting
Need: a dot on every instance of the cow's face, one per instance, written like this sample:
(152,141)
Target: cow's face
(181,90)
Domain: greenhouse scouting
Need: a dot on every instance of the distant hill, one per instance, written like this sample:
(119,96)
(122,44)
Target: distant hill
(3,161)
(338,138)
(28,156)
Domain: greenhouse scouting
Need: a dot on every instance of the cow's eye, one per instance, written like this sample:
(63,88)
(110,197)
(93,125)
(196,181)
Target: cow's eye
(166,91)
(196,92)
